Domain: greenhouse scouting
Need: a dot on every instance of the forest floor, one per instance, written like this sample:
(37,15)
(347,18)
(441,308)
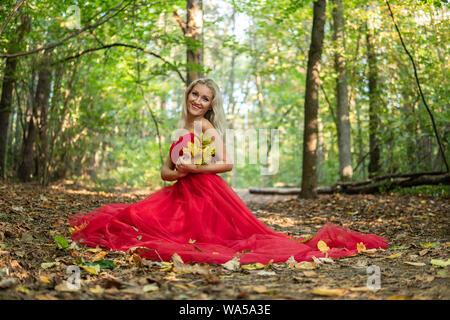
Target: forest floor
(33,265)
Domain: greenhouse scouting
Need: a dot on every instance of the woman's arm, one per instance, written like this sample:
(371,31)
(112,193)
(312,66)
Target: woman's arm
(168,172)
(222,162)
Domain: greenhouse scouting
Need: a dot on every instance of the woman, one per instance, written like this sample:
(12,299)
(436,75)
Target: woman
(200,217)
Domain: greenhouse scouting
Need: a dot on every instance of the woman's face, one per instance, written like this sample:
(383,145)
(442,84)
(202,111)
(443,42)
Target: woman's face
(199,100)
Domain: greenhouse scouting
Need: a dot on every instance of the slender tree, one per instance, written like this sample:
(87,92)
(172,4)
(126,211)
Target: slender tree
(343,122)
(9,76)
(374,125)
(310,135)
(37,126)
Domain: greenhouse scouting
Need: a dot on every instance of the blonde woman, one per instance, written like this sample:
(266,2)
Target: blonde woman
(200,217)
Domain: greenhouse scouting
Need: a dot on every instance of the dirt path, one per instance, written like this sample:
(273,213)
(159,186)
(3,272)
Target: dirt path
(33,266)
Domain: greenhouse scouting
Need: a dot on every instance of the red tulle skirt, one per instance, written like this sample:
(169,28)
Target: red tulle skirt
(203,220)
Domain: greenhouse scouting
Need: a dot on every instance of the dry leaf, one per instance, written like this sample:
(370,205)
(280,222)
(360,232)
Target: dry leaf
(361,247)
(259,289)
(310,273)
(150,287)
(47,265)
(306,265)
(64,287)
(232,265)
(100,256)
(417,264)
(328,292)
(397,297)
(97,290)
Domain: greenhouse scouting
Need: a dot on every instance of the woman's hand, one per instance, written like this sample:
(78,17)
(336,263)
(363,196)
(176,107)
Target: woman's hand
(186,168)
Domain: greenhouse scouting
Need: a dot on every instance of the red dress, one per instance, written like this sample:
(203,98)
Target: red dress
(203,220)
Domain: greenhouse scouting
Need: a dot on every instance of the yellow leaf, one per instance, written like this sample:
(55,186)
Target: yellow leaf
(44,279)
(361,247)
(167,266)
(97,290)
(22,289)
(322,246)
(397,297)
(253,266)
(100,256)
(92,269)
(440,263)
(395,255)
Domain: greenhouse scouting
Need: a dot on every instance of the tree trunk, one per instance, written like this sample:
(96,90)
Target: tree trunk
(7,90)
(37,127)
(343,122)
(194,33)
(374,125)
(310,136)
(43,101)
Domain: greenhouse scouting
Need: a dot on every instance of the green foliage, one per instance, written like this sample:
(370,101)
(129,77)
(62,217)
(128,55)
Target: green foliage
(102,103)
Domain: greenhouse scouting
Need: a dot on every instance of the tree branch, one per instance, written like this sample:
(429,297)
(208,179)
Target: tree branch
(11,14)
(420,88)
(179,21)
(101,21)
(127,46)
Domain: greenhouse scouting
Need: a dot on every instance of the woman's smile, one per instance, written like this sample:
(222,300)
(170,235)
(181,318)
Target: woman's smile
(200,99)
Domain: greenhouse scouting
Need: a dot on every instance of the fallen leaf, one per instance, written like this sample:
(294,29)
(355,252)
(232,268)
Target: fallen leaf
(100,256)
(305,265)
(97,290)
(232,265)
(328,292)
(47,265)
(360,247)
(440,263)
(322,246)
(266,273)
(429,245)
(417,264)
(252,266)
(395,255)
(259,289)
(95,269)
(61,242)
(64,287)
(45,297)
(150,287)
(397,297)
(310,273)
(404,247)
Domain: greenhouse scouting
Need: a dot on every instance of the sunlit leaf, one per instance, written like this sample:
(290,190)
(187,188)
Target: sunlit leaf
(322,246)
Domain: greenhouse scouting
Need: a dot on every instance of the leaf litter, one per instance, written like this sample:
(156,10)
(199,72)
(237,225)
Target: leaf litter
(36,250)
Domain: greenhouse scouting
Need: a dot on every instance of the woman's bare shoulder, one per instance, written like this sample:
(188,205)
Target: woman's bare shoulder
(206,124)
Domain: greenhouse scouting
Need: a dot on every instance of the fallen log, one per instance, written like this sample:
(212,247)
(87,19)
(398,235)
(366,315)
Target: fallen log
(374,185)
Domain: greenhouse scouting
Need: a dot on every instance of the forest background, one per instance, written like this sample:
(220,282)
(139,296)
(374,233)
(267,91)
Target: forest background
(92,90)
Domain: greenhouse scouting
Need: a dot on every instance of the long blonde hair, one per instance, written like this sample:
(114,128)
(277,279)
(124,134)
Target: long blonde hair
(215,115)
